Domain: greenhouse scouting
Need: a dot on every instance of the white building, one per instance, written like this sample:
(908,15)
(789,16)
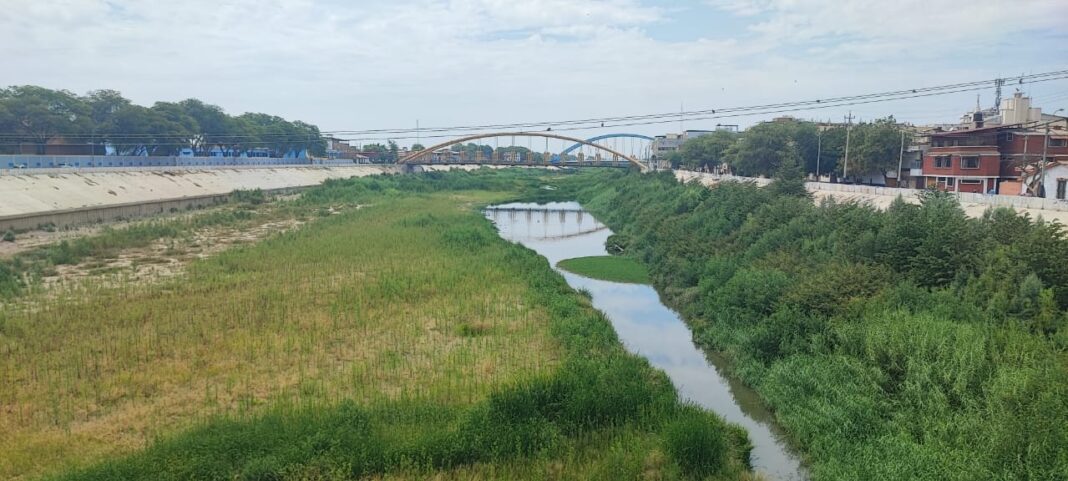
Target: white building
(663,145)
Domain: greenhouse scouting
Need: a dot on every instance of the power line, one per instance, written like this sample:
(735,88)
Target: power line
(585,124)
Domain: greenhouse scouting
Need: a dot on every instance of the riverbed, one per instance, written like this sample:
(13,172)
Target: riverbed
(647,327)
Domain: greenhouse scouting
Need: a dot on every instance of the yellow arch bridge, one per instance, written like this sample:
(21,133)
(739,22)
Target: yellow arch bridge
(603,155)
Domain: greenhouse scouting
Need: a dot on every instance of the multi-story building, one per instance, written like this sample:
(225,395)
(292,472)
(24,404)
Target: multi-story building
(662,145)
(997,151)
(963,161)
(978,160)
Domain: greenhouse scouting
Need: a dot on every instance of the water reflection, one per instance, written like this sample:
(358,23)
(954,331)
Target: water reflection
(561,231)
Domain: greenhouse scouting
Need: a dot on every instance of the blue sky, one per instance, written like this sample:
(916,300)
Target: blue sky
(384,64)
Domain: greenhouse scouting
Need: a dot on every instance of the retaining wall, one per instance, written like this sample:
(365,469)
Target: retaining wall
(66,198)
(1014,201)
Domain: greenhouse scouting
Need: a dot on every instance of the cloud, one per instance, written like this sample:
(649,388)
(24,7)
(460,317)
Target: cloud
(385,63)
(924,27)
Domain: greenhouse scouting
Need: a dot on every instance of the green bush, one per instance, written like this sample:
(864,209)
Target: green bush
(9,236)
(697,442)
(254,196)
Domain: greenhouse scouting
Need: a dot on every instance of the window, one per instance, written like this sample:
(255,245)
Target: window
(970,182)
(1061,185)
(943,162)
(1058,142)
(969,162)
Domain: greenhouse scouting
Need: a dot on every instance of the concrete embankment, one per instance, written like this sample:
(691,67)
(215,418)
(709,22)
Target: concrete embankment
(881,197)
(75,197)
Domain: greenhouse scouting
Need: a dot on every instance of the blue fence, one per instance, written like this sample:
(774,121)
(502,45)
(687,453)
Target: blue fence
(91,161)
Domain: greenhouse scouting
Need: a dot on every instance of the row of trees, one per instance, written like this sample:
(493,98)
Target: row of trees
(36,116)
(874,148)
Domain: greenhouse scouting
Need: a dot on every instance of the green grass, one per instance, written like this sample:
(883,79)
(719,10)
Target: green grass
(607,268)
(401,340)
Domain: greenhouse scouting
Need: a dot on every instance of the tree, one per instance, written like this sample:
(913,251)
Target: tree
(758,151)
(30,114)
(762,149)
(875,147)
(377,152)
(674,159)
(393,149)
(40,115)
(176,129)
(789,178)
(417,147)
(213,122)
(706,151)
(829,150)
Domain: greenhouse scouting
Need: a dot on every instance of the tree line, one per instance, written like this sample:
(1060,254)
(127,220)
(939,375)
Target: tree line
(874,148)
(32,116)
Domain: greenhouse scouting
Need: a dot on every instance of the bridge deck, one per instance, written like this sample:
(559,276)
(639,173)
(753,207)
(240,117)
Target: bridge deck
(621,164)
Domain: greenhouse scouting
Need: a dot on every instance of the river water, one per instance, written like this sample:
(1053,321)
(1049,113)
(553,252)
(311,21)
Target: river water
(647,327)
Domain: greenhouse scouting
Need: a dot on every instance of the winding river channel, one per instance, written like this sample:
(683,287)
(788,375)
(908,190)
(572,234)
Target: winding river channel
(647,327)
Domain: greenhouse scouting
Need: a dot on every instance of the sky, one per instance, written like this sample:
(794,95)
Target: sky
(374,64)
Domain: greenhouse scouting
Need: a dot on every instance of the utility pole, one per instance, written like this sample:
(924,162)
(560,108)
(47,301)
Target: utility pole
(819,151)
(900,158)
(1042,168)
(849,127)
(682,125)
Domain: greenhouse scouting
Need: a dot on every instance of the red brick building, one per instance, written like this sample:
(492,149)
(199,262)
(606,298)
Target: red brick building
(963,160)
(976,160)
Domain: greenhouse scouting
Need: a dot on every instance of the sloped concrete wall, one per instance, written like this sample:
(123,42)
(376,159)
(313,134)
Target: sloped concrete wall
(24,194)
(74,197)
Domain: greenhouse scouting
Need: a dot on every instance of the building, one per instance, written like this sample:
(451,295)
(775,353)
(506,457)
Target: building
(340,149)
(662,145)
(1054,181)
(963,160)
(997,150)
(984,159)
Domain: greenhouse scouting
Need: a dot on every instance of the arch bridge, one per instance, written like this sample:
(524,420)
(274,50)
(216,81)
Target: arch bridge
(442,153)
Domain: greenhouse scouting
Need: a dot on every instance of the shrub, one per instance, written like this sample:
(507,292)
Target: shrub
(697,441)
(254,197)
(9,236)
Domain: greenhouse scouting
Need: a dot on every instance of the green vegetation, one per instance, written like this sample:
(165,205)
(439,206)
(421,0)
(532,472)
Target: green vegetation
(607,268)
(911,343)
(762,149)
(37,116)
(9,236)
(403,338)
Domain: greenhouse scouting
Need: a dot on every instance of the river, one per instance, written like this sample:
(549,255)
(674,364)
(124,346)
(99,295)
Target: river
(647,327)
